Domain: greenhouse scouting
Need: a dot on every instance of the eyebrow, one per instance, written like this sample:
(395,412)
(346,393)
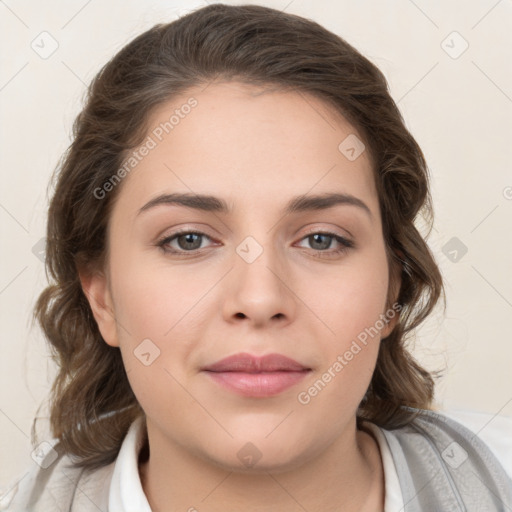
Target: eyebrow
(302,203)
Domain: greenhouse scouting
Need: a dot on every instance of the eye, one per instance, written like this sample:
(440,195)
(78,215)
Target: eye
(320,241)
(187,241)
(184,242)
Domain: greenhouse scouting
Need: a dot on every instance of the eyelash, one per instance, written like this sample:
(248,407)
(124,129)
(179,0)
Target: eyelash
(345,244)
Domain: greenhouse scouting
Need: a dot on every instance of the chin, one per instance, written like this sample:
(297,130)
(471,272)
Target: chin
(256,455)
(262,466)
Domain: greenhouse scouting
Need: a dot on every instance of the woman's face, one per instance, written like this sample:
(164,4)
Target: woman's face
(256,277)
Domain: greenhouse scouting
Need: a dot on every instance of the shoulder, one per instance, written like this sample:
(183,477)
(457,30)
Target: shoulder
(441,462)
(493,429)
(489,435)
(54,482)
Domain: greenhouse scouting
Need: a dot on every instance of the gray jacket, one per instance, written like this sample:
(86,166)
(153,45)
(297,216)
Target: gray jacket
(442,467)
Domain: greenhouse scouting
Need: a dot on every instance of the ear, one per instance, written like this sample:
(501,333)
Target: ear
(392,307)
(96,288)
(392,315)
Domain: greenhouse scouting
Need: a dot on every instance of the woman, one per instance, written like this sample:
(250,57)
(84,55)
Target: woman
(235,272)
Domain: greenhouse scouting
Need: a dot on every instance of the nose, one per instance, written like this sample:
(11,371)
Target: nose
(258,291)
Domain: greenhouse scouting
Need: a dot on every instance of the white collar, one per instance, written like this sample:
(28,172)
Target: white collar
(126,493)
(394,501)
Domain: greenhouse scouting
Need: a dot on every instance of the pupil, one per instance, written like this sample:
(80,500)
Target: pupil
(189,240)
(325,244)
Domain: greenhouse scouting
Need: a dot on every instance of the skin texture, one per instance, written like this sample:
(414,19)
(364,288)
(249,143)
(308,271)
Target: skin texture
(256,149)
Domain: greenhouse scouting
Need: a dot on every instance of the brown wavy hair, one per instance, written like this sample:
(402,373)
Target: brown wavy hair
(91,403)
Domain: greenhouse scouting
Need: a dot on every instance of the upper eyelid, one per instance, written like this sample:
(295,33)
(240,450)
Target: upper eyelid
(326,231)
(186,231)
(316,228)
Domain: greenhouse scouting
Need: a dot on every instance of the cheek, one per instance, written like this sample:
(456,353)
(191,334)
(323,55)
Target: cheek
(353,310)
(155,341)
(155,301)
(158,314)
(352,298)
(160,302)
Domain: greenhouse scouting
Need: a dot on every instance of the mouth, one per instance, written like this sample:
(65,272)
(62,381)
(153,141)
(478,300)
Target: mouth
(260,385)
(253,376)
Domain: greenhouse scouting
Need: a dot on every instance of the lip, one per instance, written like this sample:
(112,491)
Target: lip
(248,363)
(254,376)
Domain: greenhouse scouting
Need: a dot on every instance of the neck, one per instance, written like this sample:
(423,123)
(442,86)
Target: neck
(348,477)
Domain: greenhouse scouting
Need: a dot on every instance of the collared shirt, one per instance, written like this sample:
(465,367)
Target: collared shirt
(121,488)
(126,494)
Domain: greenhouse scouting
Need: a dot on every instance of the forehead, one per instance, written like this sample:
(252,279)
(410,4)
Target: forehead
(248,144)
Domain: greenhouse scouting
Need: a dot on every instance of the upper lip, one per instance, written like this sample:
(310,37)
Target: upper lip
(248,363)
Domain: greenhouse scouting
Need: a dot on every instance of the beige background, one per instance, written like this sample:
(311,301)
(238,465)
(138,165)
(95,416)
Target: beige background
(459,110)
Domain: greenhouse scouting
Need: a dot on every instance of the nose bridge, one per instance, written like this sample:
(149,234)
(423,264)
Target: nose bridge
(258,261)
(257,288)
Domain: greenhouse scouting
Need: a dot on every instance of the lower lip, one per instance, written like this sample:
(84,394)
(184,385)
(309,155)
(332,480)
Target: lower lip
(258,384)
